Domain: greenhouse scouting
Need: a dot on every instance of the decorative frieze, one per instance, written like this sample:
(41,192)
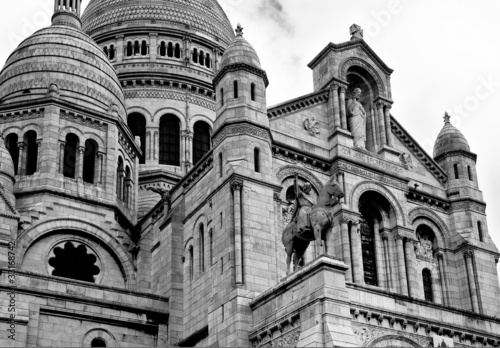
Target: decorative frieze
(282,333)
(296,158)
(83,120)
(380,178)
(240,129)
(21,115)
(373,161)
(474,206)
(432,202)
(126,145)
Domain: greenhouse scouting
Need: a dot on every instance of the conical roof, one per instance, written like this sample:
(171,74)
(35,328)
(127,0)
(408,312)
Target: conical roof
(450,139)
(205,16)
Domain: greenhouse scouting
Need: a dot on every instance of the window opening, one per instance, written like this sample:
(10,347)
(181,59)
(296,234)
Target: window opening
(74,263)
(427,281)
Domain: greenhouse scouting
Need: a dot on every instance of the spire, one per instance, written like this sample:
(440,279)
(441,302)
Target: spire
(239,30)
(67,12)
(446,118)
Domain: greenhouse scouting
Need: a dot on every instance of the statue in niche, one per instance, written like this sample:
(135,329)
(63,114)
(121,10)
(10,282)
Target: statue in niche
(357,119)
(423,249)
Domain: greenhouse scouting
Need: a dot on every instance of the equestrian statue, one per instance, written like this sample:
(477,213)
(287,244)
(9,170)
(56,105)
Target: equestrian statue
(311,220)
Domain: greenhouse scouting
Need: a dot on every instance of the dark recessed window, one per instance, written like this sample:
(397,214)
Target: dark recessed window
(455,169)
(235,89)
(427,280)
(74,263)
(252,91)
(11,144)
(201,140)
(98,342)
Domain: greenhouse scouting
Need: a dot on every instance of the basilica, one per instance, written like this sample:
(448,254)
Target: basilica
(149,196)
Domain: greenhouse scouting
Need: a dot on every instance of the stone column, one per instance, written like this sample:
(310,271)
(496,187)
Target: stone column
(236,188)
(156,146)
(402,266)
(153,46)
(121,183)
(38,155)
(410,269)
(357,254)
(341,181)
(79,163)
(444,279)
(379,251)
(119,48)
(147,155)
(346,248)
(334,97)
(387,257)
(189,153)
(375,127)
(216,60)
(21,166)
(381,120)
(469,255)
(343,112)
(388,129)
(62,146)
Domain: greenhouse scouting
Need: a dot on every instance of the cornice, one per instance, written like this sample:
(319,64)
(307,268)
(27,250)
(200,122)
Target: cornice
(297,104)
(239,67)
(350,44)
(464,153)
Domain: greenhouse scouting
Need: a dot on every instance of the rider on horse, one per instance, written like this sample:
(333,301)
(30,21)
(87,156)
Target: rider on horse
(304,203)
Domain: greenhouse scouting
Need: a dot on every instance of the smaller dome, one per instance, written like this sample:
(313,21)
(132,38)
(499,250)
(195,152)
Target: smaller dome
(450,139)
(6,163)
(240,52)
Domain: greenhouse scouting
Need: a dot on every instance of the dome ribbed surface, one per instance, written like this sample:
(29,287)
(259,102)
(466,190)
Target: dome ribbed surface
(450,139)
(240,51)
(206,16)
(67,57)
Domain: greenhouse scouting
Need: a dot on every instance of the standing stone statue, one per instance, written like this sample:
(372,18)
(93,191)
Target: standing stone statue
(357,119)
(305,202)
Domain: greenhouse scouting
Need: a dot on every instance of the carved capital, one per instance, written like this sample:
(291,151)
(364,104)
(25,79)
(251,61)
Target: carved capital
(344,220)
(468,254)
(39,142)
(21,145)
(277,197)
(81,149)
(379,104)
(343,90)
(236,185)
(153,34)
(334,87)
(62,144)
(399,237)
(120,37)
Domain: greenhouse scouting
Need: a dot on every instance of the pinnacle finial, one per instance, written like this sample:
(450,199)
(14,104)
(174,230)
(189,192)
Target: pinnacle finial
(356,32)
(447,118)
(239,30)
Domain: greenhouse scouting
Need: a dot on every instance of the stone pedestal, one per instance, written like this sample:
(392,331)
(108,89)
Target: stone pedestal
(309,308)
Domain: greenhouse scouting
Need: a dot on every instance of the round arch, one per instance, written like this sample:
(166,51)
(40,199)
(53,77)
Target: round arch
(29,236)
(202,118)
(365,186)
(392,341)
(98,333)
(31,127)
(286,171)
(165,111)
(353,61)
(63,132)
(430,218)
(93,136)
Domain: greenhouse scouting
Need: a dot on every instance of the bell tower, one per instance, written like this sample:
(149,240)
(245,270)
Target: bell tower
(67,12)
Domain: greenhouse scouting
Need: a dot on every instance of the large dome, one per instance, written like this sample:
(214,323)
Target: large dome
(63,56)
(205,16)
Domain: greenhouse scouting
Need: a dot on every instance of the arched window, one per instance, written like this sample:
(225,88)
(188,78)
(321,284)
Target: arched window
(70,156)
(170,50)
(89,161)
(177,51)
(137,48)
(170,134)
(202,58)
(31,152)
(144,48)
(480,231)
(235,89)
(222,97)
(221,165)
(137,124)
(427,281)
(202,249)
(252,91)
(191,263)
(120,176)
(98,342)
(208,61)
(130,50)
(112,52)
(290,194)
(163,49)
(127,187)
(74,262)
(11,144)
(106,51)
(469,171)
(256,160)
(195,56)
(455,169)
(201,140)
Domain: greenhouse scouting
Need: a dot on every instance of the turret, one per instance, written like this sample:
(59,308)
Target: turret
(67,12)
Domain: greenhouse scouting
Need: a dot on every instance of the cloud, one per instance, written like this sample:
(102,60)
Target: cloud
(273,9)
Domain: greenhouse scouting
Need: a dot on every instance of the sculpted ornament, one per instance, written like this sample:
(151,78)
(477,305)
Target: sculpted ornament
(406,160)
(312,126)
(423,248)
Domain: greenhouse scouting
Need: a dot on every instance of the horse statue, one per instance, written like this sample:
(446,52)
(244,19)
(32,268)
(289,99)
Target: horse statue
(314,224)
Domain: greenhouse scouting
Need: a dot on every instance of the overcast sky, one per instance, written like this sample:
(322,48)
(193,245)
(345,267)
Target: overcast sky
(445,54)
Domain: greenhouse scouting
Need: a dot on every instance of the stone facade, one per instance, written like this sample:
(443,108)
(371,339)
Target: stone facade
(145,185)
